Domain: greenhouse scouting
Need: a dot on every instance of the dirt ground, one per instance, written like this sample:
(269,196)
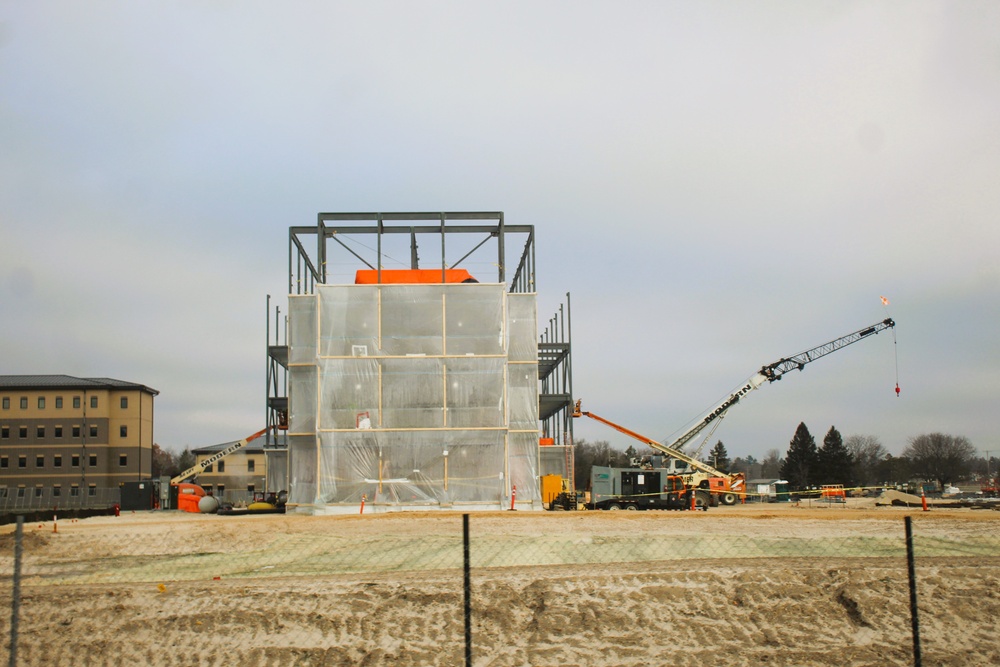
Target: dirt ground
(748,585)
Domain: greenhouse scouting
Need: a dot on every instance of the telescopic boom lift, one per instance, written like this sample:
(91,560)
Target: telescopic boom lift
(202,465)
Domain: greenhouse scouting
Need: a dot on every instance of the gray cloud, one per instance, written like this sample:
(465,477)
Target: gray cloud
(718,185)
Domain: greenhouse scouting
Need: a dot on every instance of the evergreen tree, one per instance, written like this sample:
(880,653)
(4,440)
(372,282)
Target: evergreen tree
(185,460)
(835,465)
(718,457)
(799,466)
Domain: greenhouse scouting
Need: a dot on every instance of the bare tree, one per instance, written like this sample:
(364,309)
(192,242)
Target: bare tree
(940,457)
(867,452)
(770,467)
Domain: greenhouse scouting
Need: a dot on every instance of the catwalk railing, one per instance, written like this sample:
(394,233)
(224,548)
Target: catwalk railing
(734,586)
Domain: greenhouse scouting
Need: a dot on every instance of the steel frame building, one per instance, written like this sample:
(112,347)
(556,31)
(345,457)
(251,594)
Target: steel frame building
(330,254)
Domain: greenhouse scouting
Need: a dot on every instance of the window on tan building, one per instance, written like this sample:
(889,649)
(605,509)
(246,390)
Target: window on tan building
(41,402)
(124,402)
(123,431)
(58,402)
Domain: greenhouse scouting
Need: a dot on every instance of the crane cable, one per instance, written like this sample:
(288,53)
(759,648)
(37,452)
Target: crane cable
(895,346)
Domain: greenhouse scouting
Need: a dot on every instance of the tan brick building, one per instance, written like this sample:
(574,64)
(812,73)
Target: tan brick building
(235,477)
(64,439)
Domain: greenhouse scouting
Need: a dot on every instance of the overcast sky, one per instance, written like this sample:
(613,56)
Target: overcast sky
(717,184)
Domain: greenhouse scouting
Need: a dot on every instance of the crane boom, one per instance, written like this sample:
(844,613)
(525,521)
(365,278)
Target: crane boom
(202,465)
(773,372)
(768,373)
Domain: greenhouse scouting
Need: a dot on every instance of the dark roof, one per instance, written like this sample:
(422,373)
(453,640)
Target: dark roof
(258,445)
(67,382)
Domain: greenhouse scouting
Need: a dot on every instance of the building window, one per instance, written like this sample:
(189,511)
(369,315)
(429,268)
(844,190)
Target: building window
(251,488)
(123,460)
(93,430)
(208,489)
(92,490)
(22,461)
(20,492)
(24,402)
(58,431)
(222,489)
(41,402)
(124,402)
(76,402)
(57,460)
(22,432)
(56,490)
(58,402)
(123,431)
(251,465)
(74,490)
(40,432)
(75,461)
(4,461)
(93,460)
(3,491)
(38,491)
(5,432)
(222,466)
(6,402)
(40,461)
(93,401)
(76,431)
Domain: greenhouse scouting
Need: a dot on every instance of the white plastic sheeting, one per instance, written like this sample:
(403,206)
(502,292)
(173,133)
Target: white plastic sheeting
(413,395)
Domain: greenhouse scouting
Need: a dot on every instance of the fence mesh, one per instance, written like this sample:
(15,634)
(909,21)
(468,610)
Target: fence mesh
(734,586)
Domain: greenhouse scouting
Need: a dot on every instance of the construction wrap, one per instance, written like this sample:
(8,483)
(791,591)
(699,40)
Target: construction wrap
(413,395)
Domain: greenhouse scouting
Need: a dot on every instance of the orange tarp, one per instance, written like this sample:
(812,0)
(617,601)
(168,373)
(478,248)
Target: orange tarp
(412,276)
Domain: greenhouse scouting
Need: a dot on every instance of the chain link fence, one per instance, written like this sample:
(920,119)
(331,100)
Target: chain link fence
(741,586)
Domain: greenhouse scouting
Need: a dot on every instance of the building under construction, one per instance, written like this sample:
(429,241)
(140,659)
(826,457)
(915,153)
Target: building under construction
(413,371)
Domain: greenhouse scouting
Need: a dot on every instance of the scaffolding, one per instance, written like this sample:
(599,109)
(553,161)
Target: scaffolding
(403,385)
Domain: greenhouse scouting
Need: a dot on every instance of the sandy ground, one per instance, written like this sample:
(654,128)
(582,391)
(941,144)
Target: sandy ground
(754,585)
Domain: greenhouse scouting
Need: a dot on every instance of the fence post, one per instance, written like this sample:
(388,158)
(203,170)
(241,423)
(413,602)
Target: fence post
(913,592)
(468,590)
(15,606)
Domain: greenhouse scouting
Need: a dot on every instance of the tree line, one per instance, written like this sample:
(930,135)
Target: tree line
(169,464)
(857,461)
